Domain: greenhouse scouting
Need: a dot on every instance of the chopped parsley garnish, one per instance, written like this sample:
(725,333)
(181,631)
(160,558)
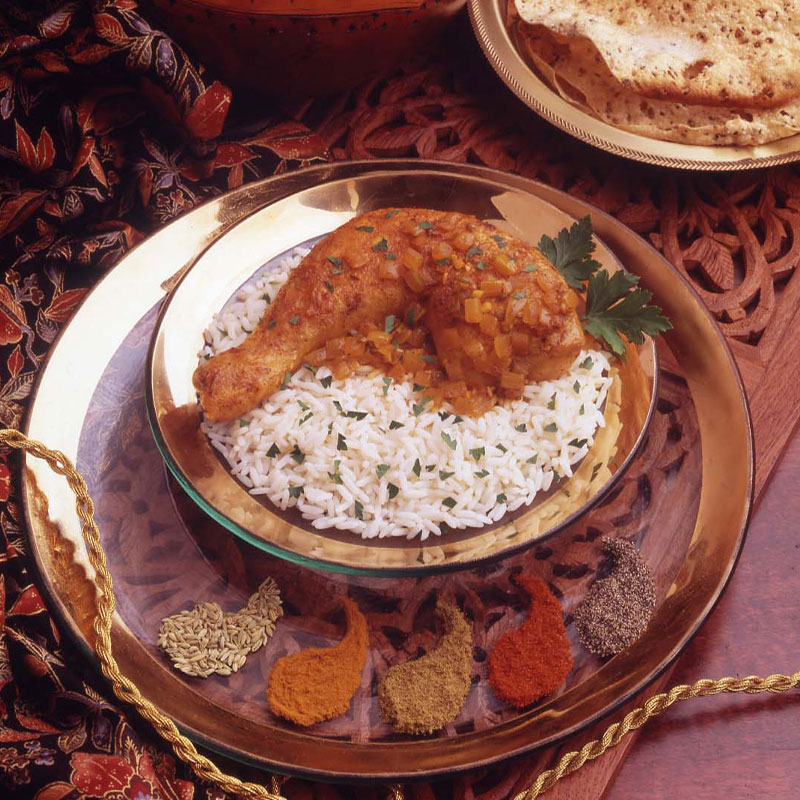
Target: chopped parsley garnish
(243,423)
(286,378)
(532,459)
(501,242)
(326,381)
(418,408)
(295,491)
(458,419)
(551,428)
(294,320)
(390,214)
(306,418)
(335,260)
(337,271)
(425,225)
(418,387)
(430,467)
(417,468)
(365,228)
(427,359)
(502,448)
(586,363)
(595,469)
(474,251)
(303,406)
(501,498)
(451,443)
(273,451)
(482,474)
(298,455)
(388,324)
(449,502)
(522,428)
(336,476)
(582,409)
(266,297)
(576,387)
(391,256)
(393,490)
(519,295)
(440,262)
(480,265)
(443,415)
(358,509)
(551,403)
(356,414)
(578,443)
(329,286)
(381,246)
(387,382)
(530,268)
(341,443)
(338,406)
(381,470)
(308,366)
(443,476)
(272,323)
(478,453)
(394,425)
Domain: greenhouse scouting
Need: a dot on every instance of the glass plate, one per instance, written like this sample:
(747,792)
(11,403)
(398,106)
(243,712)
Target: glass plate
(263,239)
(685,501)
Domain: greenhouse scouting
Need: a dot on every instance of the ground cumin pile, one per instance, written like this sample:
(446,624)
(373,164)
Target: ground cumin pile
(534,660)
(422,696)
(617,609)
(318,684)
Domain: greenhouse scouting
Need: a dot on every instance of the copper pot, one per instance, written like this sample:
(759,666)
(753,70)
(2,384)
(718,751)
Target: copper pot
(303,47)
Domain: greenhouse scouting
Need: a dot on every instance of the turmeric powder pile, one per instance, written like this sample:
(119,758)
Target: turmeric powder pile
(318,684)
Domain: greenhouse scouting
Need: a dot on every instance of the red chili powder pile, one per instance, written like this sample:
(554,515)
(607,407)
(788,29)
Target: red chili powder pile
(534,660)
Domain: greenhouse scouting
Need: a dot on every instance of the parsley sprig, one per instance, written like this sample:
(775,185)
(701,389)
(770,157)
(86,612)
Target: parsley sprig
(615,307)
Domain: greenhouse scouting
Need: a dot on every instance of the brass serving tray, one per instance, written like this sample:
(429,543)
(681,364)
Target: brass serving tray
(299,219)
(685,500)
(489,22)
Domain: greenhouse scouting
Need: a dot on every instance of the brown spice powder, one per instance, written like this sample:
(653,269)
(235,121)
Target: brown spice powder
(318,684)
(422,696)
(617,609)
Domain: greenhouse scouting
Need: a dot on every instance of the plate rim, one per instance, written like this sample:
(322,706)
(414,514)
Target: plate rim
(514,71)
(383,777)
(422,570)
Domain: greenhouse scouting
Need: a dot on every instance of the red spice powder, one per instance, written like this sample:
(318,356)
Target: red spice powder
(534,660)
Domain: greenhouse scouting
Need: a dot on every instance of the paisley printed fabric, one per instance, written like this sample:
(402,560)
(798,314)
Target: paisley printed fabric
(108,130)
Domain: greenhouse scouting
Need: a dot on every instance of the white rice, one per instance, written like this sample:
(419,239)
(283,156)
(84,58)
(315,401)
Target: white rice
(471,470)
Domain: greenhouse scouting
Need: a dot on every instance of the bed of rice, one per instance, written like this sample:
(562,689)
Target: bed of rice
(359,454)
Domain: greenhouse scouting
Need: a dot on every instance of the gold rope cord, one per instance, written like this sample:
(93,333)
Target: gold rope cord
(127,691)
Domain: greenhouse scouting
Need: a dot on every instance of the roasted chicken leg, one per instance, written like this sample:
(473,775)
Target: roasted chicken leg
(499,313)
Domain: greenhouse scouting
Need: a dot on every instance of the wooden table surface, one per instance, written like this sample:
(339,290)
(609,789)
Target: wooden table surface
(736,747)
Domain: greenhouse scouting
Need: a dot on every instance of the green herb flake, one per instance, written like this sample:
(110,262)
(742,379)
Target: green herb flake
(381,246)
(519,295)
(522,428)
(303,406)
(341,443)
(551,403)
(474,251)
(266,298)
(272,323)
(335,260)
(440,262)
(359,415)
(451,443)
(365,228)
(482,474)
(338,406)
(576,387)
(381,470)
(294,320)
(305,419)
(418,408)
(582,409)
(586,363)
(478,453)
(578,443)
(533,459)
(394,425)
(443,415)
(390,214)
(481,265)
(358,510)
(329,286)
(458,419)
(388,324)
(298,455)
(391,256)
(273,451)
(443,476)
(393,490)
(295,491)
(286,378)
(502,448)
(449,502)
(501,242)
(425,225)
(551,428)
(326,381)
(387,382)
(427,359)
(337,271)
(530,268)
(430,467)
(418,387)
(595,469)
(417,468)
(243,423)
(501,498)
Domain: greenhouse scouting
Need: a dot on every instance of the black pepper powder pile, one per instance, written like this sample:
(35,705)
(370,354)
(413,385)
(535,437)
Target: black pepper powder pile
(617,609)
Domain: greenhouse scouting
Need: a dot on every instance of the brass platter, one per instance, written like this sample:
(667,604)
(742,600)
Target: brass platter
(150,557)
(498,44)
(302,217)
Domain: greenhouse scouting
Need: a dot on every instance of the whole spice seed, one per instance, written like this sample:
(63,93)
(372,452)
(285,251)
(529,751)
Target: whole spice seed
(422,696)
(207,639)
(318,683)
(534,660)
(617,609)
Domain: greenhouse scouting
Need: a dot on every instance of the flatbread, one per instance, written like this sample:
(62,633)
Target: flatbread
(575,69)
(733,53)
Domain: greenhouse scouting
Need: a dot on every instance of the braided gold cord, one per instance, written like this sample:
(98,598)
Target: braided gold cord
(127,691)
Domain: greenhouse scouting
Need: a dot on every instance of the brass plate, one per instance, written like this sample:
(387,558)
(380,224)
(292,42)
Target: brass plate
(489,22)
(296,220)
(689,510)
